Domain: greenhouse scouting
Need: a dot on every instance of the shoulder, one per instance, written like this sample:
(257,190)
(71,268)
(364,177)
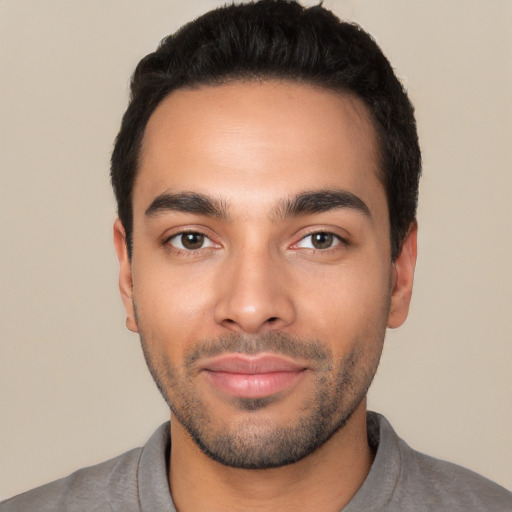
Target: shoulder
(100,487)
(436,484)
(128,483)
(452,485)
(404,479)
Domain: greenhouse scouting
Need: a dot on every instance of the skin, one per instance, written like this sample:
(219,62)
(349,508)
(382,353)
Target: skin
(251,147)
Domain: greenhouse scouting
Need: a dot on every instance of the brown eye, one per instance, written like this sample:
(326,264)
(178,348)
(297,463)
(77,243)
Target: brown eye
(190,241)
(322,240)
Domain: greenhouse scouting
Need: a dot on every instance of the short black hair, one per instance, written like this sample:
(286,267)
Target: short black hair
(277,39)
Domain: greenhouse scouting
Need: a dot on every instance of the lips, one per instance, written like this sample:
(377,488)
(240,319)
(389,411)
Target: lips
(257,376)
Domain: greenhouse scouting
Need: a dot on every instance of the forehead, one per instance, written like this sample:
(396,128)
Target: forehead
(257,141)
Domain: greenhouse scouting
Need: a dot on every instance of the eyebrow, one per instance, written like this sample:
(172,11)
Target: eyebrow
(187,202)
(319,201)
(305,203)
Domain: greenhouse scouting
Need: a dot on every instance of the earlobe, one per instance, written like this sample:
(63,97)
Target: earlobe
(403,277)
(125,275)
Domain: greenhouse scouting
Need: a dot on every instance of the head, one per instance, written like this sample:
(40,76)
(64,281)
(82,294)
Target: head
(277,40)
(266,174)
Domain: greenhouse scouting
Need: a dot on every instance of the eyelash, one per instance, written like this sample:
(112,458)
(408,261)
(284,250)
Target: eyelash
(183,250)
(337,242)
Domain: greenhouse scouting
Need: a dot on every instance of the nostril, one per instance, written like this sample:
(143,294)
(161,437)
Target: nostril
(272,319)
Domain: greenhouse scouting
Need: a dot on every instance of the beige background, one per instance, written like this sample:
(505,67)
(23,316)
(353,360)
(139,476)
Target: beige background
(74,387)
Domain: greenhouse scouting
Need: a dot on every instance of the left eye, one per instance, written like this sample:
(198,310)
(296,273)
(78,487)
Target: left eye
(320,240)
(190,241)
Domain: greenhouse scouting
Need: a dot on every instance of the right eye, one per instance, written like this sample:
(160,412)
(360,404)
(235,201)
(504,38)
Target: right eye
(190,241)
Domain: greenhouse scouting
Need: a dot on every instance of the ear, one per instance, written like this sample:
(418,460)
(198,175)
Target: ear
(125,275)
(403,276)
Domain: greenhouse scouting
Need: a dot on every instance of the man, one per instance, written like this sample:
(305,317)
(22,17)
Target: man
(266,174)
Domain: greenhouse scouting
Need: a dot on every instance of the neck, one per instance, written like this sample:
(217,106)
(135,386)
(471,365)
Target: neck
(324,480)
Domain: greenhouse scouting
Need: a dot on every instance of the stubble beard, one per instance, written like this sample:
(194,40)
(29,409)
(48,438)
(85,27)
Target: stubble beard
(339,388)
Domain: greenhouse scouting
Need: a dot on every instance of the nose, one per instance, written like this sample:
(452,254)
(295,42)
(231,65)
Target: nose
(254,294)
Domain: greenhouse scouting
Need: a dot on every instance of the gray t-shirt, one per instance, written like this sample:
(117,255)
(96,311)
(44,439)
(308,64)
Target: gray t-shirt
(400,479)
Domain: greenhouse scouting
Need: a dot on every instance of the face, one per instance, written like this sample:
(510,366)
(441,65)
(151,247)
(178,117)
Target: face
(261,281)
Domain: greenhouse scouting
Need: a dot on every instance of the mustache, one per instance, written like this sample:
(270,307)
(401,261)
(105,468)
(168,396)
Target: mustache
(274,342)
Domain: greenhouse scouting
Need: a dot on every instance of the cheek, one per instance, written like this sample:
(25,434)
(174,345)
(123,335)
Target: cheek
(349,305)
(171,305)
